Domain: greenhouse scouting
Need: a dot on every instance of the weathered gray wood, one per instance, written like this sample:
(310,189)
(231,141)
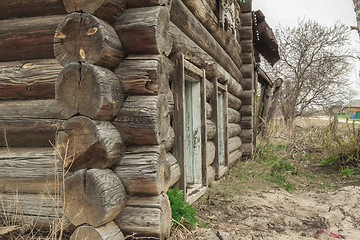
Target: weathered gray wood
(211,174)
(144,171)
(145,76)
(30,170)
(248,83)
(209,89)
(274,99)
(246,33)
(105,232)
(247,135)
(247,97)
(179,120)
(247,70)
(107,10)
(146,3)
(143,120)
(202,11)
(84,37)
(236,155)
(208,110)
(234,102)
(170,139)
(210,152)
(93,196)
(86,143)
(234,144)
(42,211)
(145,30)
(174,169)
(246,19)
(28,79)
(247,58)
(233,130)
(233,116)
(28,123)
(247,122)
(247,46)
(246,110)
(88,90)
(28,38)
(21,8)
(148,217)
(189,25)
(247,149)
(211,129)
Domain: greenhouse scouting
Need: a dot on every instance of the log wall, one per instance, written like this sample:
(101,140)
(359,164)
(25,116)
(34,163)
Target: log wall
(96,84)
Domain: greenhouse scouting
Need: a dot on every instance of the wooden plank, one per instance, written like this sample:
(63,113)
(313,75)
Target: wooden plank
(187,23)
(30,170)
(32,79)
(28,38)
(203,127)
(25,8)
(179,120)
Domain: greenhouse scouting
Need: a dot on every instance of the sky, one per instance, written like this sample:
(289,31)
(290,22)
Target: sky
(326,12)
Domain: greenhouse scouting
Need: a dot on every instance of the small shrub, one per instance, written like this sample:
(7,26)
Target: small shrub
(181,211)
(347,172)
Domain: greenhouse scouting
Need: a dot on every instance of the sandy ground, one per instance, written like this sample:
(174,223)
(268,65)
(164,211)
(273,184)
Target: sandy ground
(277,214)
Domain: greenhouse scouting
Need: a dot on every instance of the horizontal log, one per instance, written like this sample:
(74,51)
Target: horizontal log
(247,149)
(146,3)
(188,24)
(144,171)
(247,46)
(210,129)
(84,37)
(107,10)
(93,196)
(208,110)
(144,76)
(28,123)
(86,143)
(234,157)
(210,152)
(248,83)
(88,90)
(146,217)
(145,30)
(248,58)
(246,33)
(30,170)
(174,169)
(32,79)
(233,116)
(246,110)
(247,70)
(247,135)
(21,8)
(41,211)
(234,144)
(209,89)
(202,11)
(107,231)
(247,122)
(234,102)
(170,139)
(211,174)
(247,98)
(246,19)
(28,38)
(233,130)
(143,120)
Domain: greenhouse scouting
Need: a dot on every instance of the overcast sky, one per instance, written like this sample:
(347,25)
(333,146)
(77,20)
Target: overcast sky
(287,12)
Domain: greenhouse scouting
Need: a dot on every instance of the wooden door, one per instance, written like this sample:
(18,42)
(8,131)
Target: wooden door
(193,140)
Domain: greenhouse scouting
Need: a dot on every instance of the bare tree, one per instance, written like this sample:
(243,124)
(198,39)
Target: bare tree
(315,63)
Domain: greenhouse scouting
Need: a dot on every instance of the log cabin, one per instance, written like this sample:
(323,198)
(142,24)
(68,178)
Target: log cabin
(108,104)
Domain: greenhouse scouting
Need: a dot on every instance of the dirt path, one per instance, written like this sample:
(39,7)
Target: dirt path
(278,214)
